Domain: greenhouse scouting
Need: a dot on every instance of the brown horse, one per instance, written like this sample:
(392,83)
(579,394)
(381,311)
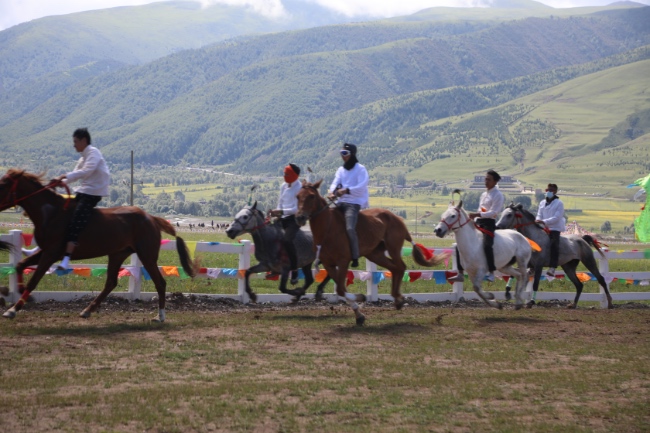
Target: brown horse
(381,238)
(116,232)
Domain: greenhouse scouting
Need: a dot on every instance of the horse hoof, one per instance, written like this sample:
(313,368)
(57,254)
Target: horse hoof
(361,320)
(518,307)
(399,303)
(85,314)
(9,314)
(361,298)
(499,306)
(319,296)
(489,295)
(157,319)
(571,306)
(253,297)
(508,295)
(4,291)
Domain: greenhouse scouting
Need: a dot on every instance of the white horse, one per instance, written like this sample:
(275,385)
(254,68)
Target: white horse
(509,247)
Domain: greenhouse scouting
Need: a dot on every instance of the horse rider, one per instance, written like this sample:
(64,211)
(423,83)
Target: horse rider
(490,206)
(286,210)
(93,172)
(350,186)
(551,214)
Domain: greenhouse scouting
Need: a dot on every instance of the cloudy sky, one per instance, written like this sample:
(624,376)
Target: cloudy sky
(14,12)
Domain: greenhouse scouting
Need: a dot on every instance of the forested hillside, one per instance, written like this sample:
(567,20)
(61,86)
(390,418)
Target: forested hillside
(239,104)
(134,35)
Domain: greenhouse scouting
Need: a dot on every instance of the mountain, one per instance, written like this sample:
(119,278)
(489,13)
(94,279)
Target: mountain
(137,34)
(250,105)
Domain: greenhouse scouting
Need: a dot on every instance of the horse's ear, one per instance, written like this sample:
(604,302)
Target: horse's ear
(254,205)
(519,206)
(317,184)
(460,204)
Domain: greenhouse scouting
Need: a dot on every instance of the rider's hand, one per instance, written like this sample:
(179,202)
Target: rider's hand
(58,179)
(473,215)
(340,192)
(331,196)
(275,212)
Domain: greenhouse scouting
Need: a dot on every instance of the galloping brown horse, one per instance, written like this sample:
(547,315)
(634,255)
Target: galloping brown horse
(116,232)
(380,232)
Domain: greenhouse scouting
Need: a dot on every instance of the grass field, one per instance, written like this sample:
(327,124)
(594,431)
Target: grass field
(312,370)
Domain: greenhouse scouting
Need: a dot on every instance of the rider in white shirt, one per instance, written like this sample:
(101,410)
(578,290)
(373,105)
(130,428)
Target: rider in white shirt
(350,185)
(551,214)
(286,210)
(490,206)
(93,172)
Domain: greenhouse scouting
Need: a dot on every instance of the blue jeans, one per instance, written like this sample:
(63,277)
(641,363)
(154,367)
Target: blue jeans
(351,214)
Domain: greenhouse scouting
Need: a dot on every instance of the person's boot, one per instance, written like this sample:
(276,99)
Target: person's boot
(490,277)
(65,264)
(459,278)
(355,263)
(550,272)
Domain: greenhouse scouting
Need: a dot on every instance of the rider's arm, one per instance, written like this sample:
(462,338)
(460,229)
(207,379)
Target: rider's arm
(85,168)
(361,183)
(337,180)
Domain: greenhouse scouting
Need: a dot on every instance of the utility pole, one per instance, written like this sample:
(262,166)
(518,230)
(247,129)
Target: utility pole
(131,178)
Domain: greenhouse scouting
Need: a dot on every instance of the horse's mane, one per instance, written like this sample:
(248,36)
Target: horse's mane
(17,172)
(527,213)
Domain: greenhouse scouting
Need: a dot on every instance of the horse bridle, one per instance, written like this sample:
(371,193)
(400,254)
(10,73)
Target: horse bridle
(255,214)
(451,226)
(326,206)
(519,215)
(14,186)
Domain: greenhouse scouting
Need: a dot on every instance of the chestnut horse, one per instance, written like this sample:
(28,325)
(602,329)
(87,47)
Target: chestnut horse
(381,238)
(116,232)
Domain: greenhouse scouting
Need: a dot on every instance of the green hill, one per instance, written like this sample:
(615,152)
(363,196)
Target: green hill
(250,103)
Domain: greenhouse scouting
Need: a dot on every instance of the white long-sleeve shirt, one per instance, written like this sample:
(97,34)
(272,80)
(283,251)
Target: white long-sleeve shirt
(288,202)
(356,180)
(552,214)
(492,201)
(93,172)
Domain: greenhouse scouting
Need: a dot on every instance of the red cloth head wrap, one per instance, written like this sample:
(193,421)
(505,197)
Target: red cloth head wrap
(290,176)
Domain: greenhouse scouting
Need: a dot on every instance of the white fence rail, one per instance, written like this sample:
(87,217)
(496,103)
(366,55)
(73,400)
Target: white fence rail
(245,250)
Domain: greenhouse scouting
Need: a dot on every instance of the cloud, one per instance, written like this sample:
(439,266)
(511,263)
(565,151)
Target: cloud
(14,12)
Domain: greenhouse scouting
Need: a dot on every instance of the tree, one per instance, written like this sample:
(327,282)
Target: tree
(606,227)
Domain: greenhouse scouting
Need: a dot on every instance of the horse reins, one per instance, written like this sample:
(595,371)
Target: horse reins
(518,225)
(16,201)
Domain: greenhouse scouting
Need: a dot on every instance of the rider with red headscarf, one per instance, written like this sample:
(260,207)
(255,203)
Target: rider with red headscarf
(286,210)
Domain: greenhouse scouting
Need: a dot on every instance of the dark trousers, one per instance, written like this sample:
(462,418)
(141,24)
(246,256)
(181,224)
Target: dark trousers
(351,214)
(290,227)
(81,215)
(554,235)
(488,224)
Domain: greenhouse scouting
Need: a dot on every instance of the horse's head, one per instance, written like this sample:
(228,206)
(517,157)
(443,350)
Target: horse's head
(507,218)
(513,215)
(247,220)
(16,186)
(309,201)
(451,220)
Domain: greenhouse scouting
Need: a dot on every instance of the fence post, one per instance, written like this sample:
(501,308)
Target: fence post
(14,257)
(372,289)
(603,267)
(135,280)
(244,263)
(457,287)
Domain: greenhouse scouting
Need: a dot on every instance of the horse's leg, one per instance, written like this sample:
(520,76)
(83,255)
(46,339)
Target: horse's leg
(151,266)
(254,270)
(43,266)
(24,264)
(321,288)
(397,267)
(112,270)
(488,298)
(536,278)
(592,266)
(300,291)
(339,275)
(570,272)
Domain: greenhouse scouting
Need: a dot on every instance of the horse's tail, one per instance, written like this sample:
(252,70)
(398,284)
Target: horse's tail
(595,243)
(424,257)
(6,246)
(181,247)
